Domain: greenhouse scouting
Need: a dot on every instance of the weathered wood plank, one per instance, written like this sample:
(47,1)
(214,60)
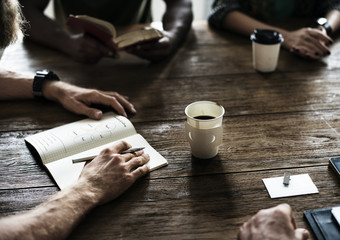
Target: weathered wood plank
(286,120)
(182,207)
(166,99)
(205,53)
(256,142)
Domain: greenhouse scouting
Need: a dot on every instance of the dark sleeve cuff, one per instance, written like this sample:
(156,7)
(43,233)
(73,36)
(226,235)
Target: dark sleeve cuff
(326,6)
(219,11)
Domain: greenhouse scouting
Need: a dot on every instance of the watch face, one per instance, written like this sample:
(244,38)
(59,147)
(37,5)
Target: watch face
(321,21)
(43,72)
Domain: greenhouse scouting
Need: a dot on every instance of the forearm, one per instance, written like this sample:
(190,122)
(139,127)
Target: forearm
(243,24)
(178,18)
(333,18)
(54,219)
(15,85)
(20,86)
(42,29)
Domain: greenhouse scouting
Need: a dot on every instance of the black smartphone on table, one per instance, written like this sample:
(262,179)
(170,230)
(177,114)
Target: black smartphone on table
(334,162)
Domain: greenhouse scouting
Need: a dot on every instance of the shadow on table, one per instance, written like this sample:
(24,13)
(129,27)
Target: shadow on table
(210,192)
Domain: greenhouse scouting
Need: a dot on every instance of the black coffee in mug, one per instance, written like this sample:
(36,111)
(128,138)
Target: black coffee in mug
(204,117)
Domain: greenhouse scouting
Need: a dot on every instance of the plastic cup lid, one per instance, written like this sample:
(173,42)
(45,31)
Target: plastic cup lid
(266,36)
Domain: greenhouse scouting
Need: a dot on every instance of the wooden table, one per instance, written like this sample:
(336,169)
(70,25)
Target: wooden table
(284,121)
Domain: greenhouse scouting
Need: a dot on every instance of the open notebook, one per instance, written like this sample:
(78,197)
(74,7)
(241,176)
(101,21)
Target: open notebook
(57,147)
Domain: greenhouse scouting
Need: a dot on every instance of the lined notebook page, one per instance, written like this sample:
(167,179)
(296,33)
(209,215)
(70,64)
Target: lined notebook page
(66,173)
(76,137)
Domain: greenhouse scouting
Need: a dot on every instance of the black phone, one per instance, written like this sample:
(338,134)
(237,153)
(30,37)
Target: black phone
(334,162)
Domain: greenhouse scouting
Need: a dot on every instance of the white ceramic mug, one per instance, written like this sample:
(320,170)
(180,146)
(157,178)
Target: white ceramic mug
(266,48)
(203,128)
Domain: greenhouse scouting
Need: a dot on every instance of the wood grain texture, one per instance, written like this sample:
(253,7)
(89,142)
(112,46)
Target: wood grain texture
(283,121)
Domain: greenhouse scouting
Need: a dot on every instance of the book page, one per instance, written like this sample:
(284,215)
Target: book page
(77,137)
(134,37)
(104,25)
(65,173)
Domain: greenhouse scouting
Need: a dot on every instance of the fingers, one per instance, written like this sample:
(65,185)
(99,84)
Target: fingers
(287,211)
(112,99)
(94,47)
(152,51)
(97,97)
(87,49)
(302,234)
(272,223)
(132,160)
(315,46)
(108,153)
(312,44)
(316,33)
(123,100)
(85,97)
(78,107)
(137,161)
(146,46)
(120,147)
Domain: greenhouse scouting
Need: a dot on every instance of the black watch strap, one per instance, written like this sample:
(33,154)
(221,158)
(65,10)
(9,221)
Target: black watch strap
(323,22)
(39,78)
(328,28)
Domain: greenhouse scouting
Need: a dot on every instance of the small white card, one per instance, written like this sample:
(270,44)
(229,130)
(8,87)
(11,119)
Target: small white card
(298,185)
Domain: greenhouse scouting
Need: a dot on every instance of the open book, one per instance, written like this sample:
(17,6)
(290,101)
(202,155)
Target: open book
(57,147)
(106,32)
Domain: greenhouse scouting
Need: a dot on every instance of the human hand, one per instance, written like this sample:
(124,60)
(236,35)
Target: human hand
(110,173)
(78,99)
(309,43)
(86,49)
(273,223)
(154,50)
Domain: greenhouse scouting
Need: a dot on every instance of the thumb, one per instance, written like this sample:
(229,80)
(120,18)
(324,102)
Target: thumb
(301,234)
(94,113)
(81,108)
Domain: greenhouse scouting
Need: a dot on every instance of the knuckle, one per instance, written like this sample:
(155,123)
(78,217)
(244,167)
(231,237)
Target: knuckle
(278,212)
(94,92)
(128,177)
(140,161)
(140,171)
(125,144)
(116,158)
(105,151)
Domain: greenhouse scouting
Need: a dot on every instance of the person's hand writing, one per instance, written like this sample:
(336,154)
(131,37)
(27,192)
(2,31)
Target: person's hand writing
(86,49)
(154,50)
(110,173)
(79,100)
(309,43)
(276,223)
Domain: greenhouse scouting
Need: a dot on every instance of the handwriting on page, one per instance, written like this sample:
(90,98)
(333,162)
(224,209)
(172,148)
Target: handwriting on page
(80,136)
(92,133)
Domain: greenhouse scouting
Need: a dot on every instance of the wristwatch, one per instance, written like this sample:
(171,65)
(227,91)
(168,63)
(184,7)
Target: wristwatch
(323,22)
(40,77)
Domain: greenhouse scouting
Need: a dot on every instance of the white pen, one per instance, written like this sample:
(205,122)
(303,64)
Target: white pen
(84,159)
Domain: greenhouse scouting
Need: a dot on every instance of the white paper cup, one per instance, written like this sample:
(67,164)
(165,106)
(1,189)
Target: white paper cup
(266,48)
(204,135)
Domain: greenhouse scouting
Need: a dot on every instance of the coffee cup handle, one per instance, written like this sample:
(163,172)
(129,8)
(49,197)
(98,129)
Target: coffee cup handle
(188,132)
(217,133)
